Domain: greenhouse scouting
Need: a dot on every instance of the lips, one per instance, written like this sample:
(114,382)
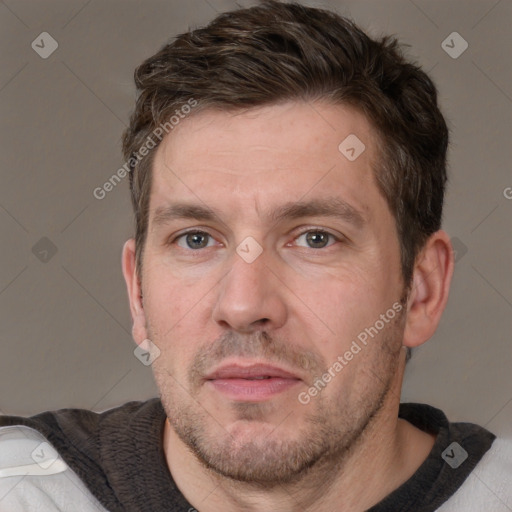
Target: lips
(253,383)
(253,372)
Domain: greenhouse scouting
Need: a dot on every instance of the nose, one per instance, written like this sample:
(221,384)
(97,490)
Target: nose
(250,296)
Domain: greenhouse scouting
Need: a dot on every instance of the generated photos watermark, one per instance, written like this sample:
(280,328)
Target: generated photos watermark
(158,133)
(355,348)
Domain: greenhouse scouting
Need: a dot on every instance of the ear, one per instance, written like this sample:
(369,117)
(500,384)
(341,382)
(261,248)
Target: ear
(134,288)
(432,276)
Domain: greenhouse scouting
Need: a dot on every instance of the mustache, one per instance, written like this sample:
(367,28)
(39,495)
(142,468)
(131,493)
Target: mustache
(255,345)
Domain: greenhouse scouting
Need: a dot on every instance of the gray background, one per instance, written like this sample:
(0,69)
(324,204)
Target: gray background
(64,317)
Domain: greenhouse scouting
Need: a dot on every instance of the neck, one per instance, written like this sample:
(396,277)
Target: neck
(387,454)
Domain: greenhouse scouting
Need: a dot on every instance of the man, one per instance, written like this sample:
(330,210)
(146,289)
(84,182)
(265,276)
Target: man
(287,175)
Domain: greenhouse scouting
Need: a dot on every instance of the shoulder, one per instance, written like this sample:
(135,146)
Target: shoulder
(79,427)
(46,458)
(33,476)
(489,485)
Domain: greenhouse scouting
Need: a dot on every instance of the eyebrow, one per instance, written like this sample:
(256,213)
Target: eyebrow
(177,211)
(326,207)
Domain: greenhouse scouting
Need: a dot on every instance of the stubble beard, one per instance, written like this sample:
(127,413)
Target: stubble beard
(324,438)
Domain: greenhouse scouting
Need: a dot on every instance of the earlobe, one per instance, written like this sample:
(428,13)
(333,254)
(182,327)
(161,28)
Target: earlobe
(433,271)
(134,290)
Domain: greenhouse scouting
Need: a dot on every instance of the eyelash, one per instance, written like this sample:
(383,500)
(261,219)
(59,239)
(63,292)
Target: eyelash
(309,230)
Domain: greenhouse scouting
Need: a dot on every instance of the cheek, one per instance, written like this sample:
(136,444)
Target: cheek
(174,332)
(176,312)
(168,307)
(169,292)
(344,307)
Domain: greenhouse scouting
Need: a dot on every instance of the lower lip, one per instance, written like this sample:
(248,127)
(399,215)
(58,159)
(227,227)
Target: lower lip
(253,390)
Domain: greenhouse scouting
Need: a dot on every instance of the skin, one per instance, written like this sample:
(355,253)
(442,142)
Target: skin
(298,305)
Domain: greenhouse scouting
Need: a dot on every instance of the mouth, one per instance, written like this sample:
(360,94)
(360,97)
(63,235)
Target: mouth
(251,383)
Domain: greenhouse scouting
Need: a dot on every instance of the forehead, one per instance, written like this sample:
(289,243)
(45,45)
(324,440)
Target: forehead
(267,156)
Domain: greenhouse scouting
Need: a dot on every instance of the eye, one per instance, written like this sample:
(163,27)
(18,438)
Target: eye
(316,238)
(194,240)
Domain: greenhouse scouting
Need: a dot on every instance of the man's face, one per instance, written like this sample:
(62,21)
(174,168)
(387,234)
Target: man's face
(224,315)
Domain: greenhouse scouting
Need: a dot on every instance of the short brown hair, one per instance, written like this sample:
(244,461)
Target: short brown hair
(277,52)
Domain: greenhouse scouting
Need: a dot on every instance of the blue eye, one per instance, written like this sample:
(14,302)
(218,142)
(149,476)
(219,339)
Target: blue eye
(317,239)
(194,240)
(312,239)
